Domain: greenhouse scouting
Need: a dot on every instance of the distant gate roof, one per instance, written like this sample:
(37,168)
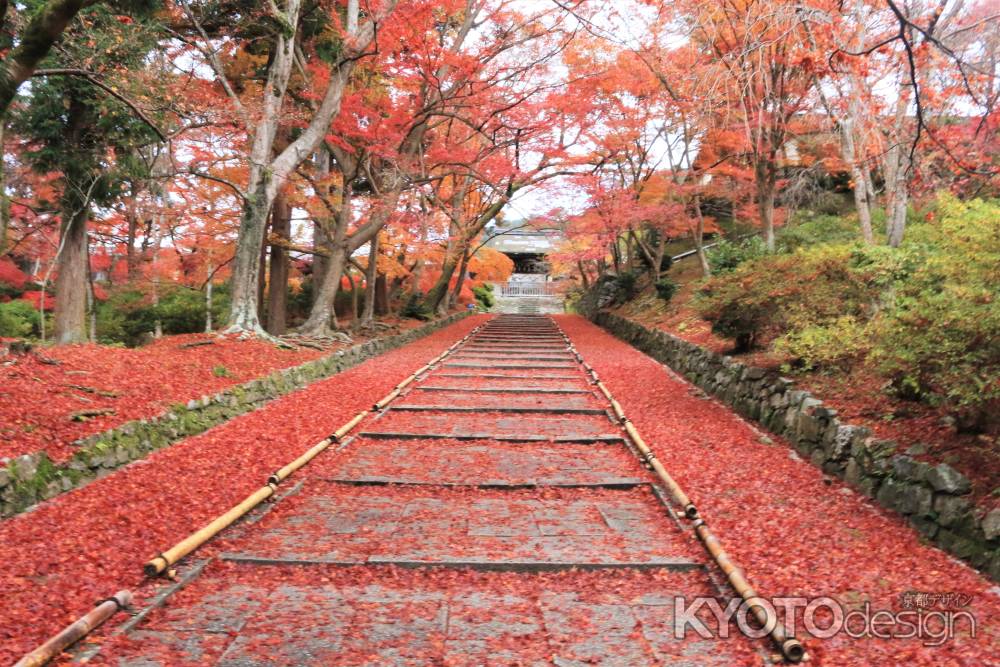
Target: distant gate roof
(518,236)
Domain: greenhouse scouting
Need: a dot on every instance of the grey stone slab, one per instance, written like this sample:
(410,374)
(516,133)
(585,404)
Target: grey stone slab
(576,518)
(493,529)
(525,427)
(526,389)
(184,648)
(610,639)
(498,364)
(224,611)
(517,409)
(301,626)
(435,462)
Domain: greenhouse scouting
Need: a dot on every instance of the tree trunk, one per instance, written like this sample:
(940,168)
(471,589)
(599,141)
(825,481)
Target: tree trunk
(583,274)
(459,282)
(243,313)
(896,218)
(91,300)
(699,239)
(4,201)
(381,295)
(320,240)
(437,294)
(208,299)
(277,296)
(71,282)
(322,314)
(371,272)
(766,180)
(33,44)
(897,167)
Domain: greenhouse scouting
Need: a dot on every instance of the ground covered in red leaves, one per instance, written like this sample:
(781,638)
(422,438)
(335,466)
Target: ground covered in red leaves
(38,397)
(860,397)
(795,532)
(85,544)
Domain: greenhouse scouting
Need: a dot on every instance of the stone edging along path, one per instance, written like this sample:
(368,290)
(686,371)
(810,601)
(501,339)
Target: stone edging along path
(932,498)
(31,478)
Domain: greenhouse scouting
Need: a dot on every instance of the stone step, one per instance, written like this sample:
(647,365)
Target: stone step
(486,425)
(487,401)
(496,529)
(411,617)
(480,462)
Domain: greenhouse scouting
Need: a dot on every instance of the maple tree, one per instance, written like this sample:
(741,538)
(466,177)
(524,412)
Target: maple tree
(399,130)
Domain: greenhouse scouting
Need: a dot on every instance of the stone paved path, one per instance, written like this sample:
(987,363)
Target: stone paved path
(493,515)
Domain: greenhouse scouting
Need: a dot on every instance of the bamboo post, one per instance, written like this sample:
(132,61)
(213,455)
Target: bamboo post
(791,648)
(161,562)
(76,630)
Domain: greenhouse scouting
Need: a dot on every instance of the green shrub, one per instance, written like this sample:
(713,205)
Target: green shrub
(819,229)
(128,313)
(666,288)
(626,283)
(836,344)
(416,308)
(766,298)
(941,339)
(18,319)
(726,255)
(484,295)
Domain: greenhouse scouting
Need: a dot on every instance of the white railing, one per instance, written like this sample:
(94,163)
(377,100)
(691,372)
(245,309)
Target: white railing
(525,289)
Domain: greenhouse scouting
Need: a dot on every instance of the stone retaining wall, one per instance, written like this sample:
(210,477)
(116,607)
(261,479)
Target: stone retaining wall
(933,498)
(28,479)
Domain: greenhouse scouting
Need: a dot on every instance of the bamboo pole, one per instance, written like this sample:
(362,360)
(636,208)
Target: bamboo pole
(690,511)
(791,648)
(164,560)
(76,630)
(161,562)
(339,434)
(385,400)
(281,474)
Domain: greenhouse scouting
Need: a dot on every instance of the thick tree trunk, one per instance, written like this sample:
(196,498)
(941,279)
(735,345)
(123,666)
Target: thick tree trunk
(896,217)
(320,240)
(862,204)
(897,167)
(583,274)
(277,295)
(381,295)
(243,314)
(322,314)
(71,281)
(438,293)
(34,43)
